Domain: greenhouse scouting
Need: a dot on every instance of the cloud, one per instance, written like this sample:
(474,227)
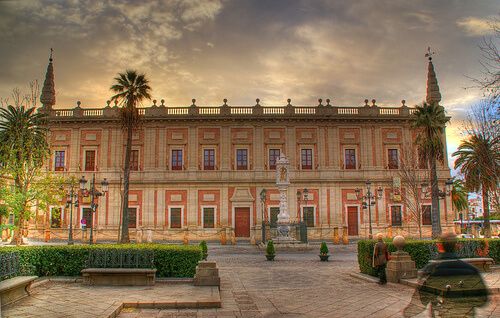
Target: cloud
(474,26)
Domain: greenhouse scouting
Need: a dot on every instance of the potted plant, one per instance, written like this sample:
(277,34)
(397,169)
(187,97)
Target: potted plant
(270,251)
(204,250)
(323,252)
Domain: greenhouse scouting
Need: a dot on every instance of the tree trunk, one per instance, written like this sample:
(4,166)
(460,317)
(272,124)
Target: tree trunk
(126,177)
(436,218)
(486,212)
(17,237)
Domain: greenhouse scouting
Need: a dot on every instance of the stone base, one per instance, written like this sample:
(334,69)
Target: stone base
(207,274)
(13,289)
(400,266)
(119,276)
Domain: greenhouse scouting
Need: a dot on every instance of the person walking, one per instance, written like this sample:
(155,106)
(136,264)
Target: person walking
(380,257)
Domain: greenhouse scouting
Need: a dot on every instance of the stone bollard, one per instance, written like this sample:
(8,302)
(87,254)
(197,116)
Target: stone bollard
(252,237)
(345,237)
(336,238)
(223,238)
(149,236)
(233,236)
(185,239)
(389,231)
(207,274)
(47,235)
(401,265)
(138,236)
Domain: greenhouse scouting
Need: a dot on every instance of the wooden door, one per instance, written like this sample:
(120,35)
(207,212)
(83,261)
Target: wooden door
(242,222)
(352,220)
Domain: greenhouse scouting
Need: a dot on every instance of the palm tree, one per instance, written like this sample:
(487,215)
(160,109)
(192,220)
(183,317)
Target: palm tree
(130,88)
(23,149)
(459,195)
(479,161)
(430,120)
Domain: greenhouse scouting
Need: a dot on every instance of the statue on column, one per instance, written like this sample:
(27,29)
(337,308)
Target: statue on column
(282,182)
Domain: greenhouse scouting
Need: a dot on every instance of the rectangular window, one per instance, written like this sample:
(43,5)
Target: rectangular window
(208,218)
(393,162)
(59,156)
(209,159)
(55,217)
(426,215)
(274,211)
(176,159)
(308,215)
(134,160)
(89,160)
(132,218)
(175,218)
(274,155)
(350,159)
(396,216)
(241,159)
(422,164)
(306,159)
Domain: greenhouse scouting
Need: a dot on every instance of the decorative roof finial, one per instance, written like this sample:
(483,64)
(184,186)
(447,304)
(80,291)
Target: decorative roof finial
(429,54)
(433,94)
(48,96)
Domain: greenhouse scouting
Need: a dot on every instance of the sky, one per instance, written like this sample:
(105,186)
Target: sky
(242,50)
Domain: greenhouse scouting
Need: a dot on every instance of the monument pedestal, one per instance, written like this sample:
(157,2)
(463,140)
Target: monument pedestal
(400,266)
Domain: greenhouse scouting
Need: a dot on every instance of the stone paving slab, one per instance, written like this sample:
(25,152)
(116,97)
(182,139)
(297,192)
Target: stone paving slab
(56,299)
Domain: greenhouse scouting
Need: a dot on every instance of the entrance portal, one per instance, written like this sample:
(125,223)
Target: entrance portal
(352,220)
(242,222)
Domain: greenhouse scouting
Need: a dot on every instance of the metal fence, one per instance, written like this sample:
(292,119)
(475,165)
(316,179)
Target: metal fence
(120,259)
(298,231)
(9,265)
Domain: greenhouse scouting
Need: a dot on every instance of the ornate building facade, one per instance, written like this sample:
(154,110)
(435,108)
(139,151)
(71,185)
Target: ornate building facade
(198,172)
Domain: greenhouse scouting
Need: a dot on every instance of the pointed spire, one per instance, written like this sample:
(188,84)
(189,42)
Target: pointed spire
(433,94)
(48,97)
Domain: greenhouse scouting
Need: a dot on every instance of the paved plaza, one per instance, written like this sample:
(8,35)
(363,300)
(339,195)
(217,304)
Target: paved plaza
(295,285)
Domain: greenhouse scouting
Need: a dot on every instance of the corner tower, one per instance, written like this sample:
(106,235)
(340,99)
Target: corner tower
(48,97)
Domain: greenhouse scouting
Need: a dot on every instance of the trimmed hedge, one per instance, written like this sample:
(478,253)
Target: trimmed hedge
(423,251)
(69,260)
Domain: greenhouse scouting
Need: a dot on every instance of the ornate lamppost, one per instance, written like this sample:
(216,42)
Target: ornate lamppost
(301,216)
(369,200)
(442,193)
(70,202)
(263,203)
(93,192)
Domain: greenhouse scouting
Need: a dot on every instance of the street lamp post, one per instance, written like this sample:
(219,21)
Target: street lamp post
(93,192)
(368,201)
(302,220)
(263,202)
(70,202)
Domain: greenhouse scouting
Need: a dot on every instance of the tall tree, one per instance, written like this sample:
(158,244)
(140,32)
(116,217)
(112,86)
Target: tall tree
(459,195)
(412,178)
(430,121)
(130,88)
(23,149)
(478,157)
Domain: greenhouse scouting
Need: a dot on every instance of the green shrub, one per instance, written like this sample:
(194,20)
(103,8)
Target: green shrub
(204,249)
(323,250)
(423,251)
(270,248)
(69,260)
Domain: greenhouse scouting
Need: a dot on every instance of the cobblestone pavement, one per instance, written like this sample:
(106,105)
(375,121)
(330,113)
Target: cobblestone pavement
(299,285)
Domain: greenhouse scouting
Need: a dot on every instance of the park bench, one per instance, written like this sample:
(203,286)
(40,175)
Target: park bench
(12,286)
(120,268)
(481,263)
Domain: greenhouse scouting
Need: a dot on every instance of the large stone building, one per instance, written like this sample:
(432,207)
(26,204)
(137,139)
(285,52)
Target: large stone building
(198,172)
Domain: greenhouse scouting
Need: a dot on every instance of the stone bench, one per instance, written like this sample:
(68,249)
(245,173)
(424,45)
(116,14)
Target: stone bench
(481,263)
(119,276)
(15,288)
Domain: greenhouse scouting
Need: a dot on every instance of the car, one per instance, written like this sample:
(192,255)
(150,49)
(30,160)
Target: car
(465,236)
